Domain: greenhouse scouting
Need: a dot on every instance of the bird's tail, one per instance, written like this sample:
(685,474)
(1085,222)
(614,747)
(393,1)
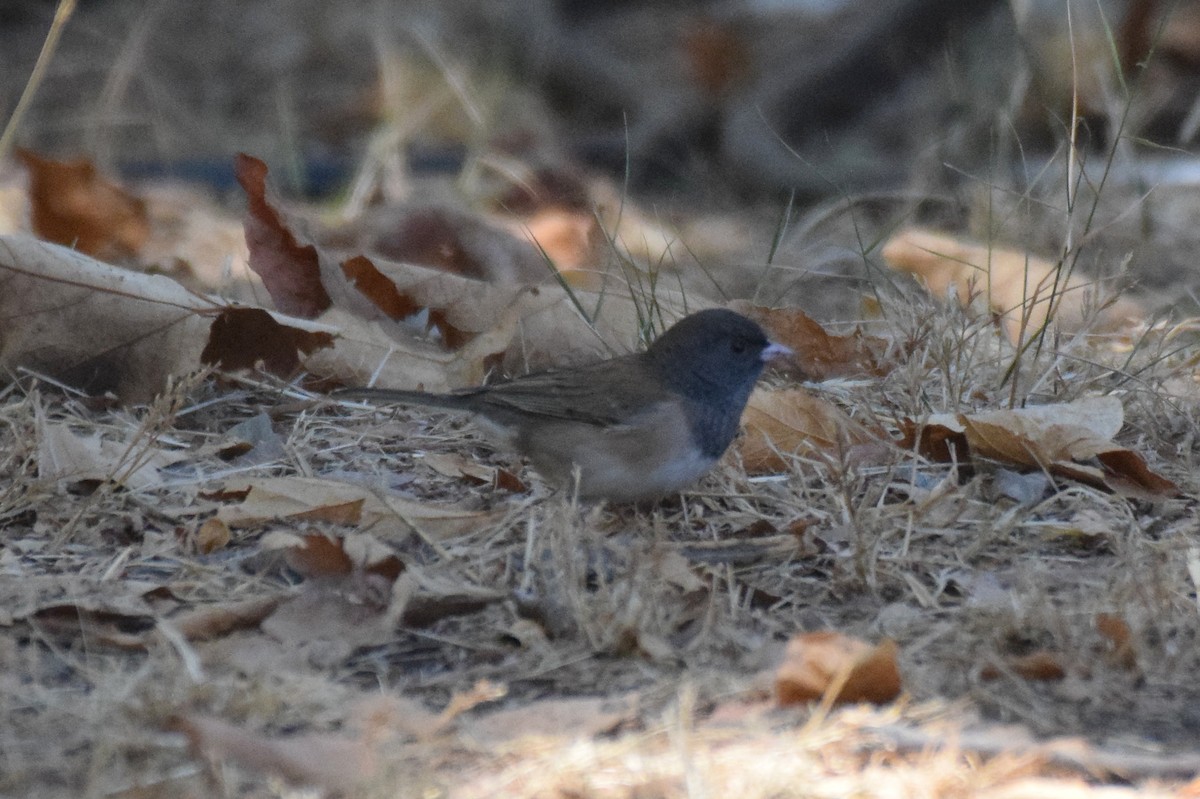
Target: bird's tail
(405,397)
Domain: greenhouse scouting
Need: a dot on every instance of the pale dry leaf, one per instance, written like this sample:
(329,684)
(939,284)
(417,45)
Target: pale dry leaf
(330,762)
(575,718)
(1016,285)
(101,328)
(451,464)
(273,498)
(336,614)
(92,325)
(67,456)
(674,568)
(1061,438)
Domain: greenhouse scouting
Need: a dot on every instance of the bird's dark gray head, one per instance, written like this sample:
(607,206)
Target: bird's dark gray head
(713,359)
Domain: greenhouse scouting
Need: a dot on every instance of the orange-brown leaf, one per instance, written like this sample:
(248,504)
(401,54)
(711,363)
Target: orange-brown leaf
(1039,666)
(1116,631)
(377,288)
(72,204)
(792,421)
(854,669)
(1063,439)
(818,354)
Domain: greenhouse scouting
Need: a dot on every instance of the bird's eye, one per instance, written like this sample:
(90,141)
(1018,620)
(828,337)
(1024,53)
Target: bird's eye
(737,346)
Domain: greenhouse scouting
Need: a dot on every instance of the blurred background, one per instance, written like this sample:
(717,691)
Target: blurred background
(994,118)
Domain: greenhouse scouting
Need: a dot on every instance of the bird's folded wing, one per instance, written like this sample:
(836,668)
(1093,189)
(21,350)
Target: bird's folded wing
(601,395)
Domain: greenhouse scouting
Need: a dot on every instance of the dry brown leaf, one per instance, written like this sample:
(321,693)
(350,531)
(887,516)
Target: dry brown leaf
(440,239)
(816,353)
(575,718)
(793,421)
(1116,631)
(1039,666)
(718,56)
(454,465)
(275,498)
(73,205)
(289,267)
(854,670)
(940,438)
(113,613)
(206,622)
(335,616)
(212,535)
(390,314)
(100,328)
(330,762)
(1059,438)
(251,338)
(349,598)
(316,555)
(1018,286)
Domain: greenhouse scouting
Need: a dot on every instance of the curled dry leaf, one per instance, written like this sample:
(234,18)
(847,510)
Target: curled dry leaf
(816,353)
(206,622)
(793,421)
(854,670)
(288,265)
(1061,438)
(73,205)
(1020,288)
(92,325)
(100,328)
(403,325)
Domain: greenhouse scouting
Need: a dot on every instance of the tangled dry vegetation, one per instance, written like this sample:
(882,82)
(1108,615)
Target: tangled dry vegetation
(217,581)
(601,651)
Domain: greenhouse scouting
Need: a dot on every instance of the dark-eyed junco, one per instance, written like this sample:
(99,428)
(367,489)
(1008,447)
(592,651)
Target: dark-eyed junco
(636,426)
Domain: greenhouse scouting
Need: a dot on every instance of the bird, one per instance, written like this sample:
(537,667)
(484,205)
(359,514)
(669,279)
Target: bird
(629,428)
